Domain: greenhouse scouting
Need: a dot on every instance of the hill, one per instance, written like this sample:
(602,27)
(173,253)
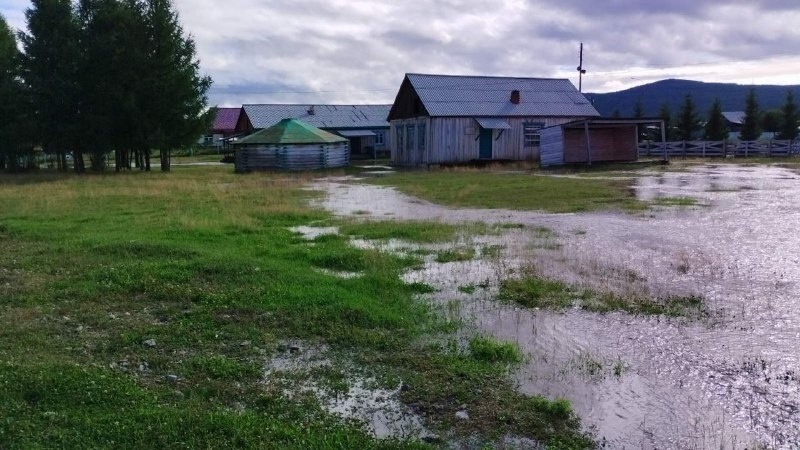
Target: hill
(672,92)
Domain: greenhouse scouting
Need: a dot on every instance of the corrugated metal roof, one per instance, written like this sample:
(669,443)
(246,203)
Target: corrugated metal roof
(323,116)
(355,133)
(448,95)
(226,119)
(492,123)
(736,117)
(291,131)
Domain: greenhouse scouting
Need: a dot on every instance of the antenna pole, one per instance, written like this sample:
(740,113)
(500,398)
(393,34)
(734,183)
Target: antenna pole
(581,70)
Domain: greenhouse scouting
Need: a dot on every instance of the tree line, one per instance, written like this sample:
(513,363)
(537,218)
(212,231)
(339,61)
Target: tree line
(687,124)
(92,78)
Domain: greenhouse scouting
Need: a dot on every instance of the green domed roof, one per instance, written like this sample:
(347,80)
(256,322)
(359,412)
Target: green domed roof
(291,131)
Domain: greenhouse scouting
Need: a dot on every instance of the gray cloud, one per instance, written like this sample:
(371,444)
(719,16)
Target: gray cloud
(358,50)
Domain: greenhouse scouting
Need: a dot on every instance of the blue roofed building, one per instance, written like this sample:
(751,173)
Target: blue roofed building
(441,119)
(365,126)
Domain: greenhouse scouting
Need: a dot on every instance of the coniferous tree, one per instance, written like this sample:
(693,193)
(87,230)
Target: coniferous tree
(716,128)
(688,122)
(638,109)
(177,100)
(751,125)
(49,66)
(14,107)
(790,119)
(666,116)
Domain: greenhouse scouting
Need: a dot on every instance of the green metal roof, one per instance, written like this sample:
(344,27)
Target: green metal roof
(291,131)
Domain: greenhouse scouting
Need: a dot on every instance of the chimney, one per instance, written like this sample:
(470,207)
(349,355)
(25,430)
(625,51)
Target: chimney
(310,110)
(515,97)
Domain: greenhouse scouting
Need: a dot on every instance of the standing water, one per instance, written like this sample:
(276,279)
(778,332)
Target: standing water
(732,381)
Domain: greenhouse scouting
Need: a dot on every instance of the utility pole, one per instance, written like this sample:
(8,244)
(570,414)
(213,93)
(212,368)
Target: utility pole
(581,71)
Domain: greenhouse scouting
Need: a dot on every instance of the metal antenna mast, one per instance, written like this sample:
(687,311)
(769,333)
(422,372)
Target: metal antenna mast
(581,71)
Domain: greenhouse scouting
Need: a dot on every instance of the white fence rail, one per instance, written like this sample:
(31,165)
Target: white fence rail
(705,149)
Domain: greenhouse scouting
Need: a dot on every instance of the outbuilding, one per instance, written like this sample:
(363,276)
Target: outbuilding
(441,119)
(291,145)
(594,140)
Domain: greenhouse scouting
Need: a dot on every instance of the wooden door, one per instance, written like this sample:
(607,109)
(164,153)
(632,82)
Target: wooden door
(486,144)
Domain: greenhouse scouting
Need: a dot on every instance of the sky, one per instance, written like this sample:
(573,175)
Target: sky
(357,51)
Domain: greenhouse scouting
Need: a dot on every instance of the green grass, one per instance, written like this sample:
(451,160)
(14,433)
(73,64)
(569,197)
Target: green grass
(487,349)
(675,201)
(533,291)
(201,262)
(486,189)
(455,255)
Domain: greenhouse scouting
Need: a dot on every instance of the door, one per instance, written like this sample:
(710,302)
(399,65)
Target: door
(486,144)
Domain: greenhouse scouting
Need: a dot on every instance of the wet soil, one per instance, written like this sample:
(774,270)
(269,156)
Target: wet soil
(732,381)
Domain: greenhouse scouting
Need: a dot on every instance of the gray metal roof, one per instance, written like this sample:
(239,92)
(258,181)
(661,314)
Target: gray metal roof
(736,117)
(447,95)
(324,116)
(493,123)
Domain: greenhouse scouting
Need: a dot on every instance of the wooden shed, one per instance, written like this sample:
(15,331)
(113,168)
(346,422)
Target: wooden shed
(291,145)
(593,140)
(440,119)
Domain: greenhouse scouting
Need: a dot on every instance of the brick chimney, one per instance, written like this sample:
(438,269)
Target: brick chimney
(515,97)
(311,111)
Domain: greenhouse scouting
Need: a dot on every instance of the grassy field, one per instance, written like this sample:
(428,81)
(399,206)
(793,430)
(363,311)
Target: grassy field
(522,191)
(140,310)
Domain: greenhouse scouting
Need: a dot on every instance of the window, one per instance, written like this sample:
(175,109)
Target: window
(409,137)
(379,138)
(530,131)
(421,136)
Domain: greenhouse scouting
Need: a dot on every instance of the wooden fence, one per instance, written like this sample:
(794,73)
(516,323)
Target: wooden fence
(705,149)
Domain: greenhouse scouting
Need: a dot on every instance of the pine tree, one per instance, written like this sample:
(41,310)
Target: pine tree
(688,122)
(14,107)
(176,96)
(49,65)
(790,119)
(751,125)
(666,116)
(716,129)
(638,109)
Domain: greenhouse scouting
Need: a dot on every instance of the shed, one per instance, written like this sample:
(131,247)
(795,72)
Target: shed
(291,145)
(365,126)
(593,140)
(438,119)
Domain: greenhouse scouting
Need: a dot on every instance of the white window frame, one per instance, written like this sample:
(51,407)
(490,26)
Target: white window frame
(531,133)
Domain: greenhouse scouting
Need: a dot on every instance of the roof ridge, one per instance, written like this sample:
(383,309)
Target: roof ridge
(493,77)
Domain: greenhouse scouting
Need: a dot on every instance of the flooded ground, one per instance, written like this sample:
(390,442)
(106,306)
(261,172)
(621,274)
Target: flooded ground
(732,381)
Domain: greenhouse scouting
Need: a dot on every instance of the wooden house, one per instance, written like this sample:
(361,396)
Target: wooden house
(228,123)
(439,119)
(593,140)
(365,126)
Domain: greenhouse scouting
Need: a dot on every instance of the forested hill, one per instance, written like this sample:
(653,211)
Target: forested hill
(672,92)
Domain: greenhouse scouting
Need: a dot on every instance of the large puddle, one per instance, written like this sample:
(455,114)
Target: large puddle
(732,381)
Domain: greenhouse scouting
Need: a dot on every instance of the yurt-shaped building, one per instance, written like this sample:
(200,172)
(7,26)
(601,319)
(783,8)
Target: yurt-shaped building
(291,144)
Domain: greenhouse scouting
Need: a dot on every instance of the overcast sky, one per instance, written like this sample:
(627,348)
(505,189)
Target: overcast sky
(356,51)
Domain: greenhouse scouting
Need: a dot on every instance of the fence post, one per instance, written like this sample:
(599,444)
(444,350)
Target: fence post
(684,149)
(769,149)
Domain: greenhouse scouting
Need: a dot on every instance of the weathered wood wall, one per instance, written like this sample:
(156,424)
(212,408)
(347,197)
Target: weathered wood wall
(457,140)
(291,157)
(607,144)
(552,147)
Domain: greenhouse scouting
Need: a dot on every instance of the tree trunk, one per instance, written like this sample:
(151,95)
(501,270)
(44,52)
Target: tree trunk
(165,161)
(77,161)
(146,156)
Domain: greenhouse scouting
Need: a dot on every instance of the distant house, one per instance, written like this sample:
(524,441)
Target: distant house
(228,124)
(734,120)
(365,126)
(438,119)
